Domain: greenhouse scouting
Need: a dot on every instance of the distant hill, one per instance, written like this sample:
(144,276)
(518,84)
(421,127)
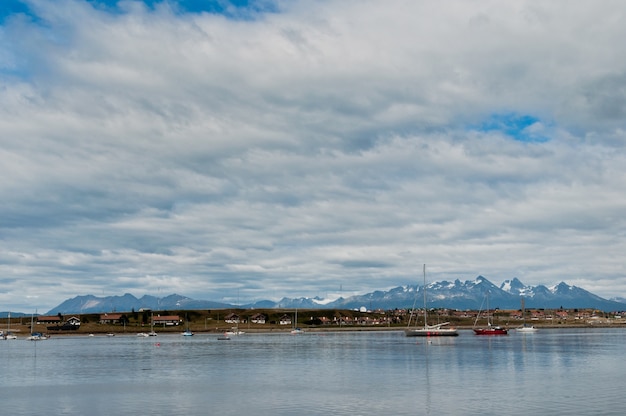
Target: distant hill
(454,295)
(13,315)
(128,302)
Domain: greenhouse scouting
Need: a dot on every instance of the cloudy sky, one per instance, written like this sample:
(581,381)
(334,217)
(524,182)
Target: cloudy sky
(247,150)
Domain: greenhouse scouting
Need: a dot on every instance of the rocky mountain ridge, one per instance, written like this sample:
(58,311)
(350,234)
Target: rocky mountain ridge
(470,294)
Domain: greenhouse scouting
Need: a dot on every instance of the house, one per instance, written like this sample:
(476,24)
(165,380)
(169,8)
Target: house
(231,318)
(166,320)
(464,314)
(363,320)
(343,320)
(562,315)
(113,318)
(73,321)
(537,315)
(49,319)
(582,315)
(324,320)
(71,324)
(258,318)
(285,320)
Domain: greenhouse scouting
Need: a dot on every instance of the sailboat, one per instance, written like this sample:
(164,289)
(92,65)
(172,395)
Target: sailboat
(296,330)
(490,330)
(429,330)
(234,331)
(525,328)
(188,332)
(9,334)
(35,336)
(152,333)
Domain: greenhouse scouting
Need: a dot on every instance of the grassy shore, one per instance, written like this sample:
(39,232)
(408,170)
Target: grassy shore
(212,322)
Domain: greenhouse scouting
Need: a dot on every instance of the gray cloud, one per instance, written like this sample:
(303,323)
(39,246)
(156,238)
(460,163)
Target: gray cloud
(321,146)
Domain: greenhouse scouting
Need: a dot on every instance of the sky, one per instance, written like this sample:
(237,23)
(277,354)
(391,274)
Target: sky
(247,150)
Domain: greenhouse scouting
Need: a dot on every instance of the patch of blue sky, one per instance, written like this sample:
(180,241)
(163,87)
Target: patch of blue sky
(523,128)
(233,9)
(12,7)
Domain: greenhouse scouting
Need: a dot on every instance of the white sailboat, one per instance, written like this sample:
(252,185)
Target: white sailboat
(9,334)
(428,330)
(188,332)
(526,329)
(296,330)
(35,336)
(234,331)
(152,333)
(148,334)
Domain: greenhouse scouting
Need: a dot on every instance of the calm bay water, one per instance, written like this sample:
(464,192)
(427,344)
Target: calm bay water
(551,372)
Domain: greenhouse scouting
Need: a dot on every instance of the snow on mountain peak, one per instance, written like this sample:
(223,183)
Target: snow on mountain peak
(92,303)
(325,301)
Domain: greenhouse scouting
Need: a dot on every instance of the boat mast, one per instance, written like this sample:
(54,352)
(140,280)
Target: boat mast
(488,315)
(412,309)
(425,324)
(480,310)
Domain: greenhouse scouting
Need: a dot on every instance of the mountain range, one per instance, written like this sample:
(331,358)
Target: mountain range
(470,294)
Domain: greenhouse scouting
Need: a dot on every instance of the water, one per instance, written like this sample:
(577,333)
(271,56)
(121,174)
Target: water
(555,372)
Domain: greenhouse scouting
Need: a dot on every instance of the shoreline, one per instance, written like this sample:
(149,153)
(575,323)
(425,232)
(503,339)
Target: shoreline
(315,330)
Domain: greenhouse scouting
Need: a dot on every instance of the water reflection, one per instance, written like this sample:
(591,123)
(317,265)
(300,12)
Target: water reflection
(553,371)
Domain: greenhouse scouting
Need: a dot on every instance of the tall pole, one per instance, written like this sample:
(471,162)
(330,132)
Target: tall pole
(425,324)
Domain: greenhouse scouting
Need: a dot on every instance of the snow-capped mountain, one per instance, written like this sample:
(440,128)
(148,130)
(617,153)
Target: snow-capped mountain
(470,294)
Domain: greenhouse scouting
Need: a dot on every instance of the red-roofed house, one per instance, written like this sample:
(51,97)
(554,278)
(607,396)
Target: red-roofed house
(49,319)
(166,320)
(113,318)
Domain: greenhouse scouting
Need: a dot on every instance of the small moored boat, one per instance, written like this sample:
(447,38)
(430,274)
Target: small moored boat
(491,329)
(437,330)
(525,328)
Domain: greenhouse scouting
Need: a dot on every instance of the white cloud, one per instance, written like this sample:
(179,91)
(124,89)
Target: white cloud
(323,145)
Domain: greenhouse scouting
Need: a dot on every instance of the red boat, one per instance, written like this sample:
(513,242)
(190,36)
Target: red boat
(491,330)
